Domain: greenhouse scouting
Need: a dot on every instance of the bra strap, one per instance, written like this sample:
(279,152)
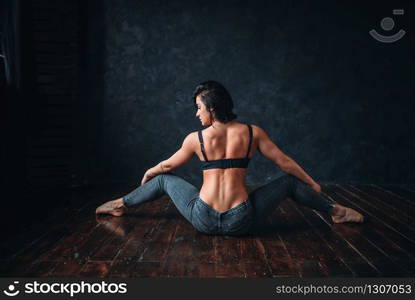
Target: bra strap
(250,139)
(202,146)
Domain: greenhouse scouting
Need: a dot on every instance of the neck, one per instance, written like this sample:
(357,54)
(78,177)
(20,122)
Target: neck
(220,125)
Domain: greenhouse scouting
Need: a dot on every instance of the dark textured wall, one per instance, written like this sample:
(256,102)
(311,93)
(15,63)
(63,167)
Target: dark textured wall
(329,95)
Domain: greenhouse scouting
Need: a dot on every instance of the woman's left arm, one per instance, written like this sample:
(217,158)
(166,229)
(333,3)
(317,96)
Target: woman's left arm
(293,168)
(182,156)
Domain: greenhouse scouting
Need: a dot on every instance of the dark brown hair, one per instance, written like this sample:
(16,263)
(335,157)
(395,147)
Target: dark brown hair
(214,96)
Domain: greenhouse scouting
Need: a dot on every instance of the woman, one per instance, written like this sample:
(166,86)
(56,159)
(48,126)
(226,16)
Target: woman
(223,205)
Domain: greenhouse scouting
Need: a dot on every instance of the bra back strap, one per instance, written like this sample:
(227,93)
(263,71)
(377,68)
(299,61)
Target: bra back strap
(250,139)
(202,146)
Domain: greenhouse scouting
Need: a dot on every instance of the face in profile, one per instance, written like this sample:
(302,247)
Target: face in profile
(202,112)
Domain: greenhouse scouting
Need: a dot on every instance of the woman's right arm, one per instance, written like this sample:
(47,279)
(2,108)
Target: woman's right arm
(283,161)
(182,156)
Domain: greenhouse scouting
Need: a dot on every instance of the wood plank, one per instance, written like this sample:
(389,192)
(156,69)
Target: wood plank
(391,197)
(71,266)
(227,249)
(392,232)
(353,263)
(203,248)
(12,246)
(356,263)
(146,269)
(355,234)
(148,219)
(119,228)
(297,239)
(50,231)
(82,225)
(326,256)
(68,268)
(254,261)
(157,247)
(113,240)
(302,242)
(67,248)
(182,260)
(40,269)
(28,236)
(228,259)
(388,234)
(54,231)
(29,255)
(403,194)
(6,266)
(73,258)
(201,270)
(386,215)
(278,258)
(255,270)
(310,268)
(97,269)
(383,201)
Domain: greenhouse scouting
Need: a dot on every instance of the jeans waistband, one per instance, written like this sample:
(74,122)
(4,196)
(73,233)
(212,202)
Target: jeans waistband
(230,211)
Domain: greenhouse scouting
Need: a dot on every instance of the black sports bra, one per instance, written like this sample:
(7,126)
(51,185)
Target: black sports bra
(227,162)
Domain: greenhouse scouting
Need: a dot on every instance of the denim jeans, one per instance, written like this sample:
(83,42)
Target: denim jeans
(238,220)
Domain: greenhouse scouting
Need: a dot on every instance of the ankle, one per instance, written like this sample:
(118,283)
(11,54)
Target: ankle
(119,203)
(335,209)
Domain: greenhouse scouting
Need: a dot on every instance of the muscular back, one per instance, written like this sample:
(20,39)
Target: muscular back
(223,189)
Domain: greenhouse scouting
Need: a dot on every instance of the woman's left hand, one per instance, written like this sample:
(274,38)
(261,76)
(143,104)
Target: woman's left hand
(316,187)
(147,176)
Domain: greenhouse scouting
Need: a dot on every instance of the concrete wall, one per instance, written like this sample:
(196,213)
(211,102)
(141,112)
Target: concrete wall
(330,96)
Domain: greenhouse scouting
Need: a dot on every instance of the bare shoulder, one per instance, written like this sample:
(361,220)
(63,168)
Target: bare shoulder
(258,131)
(191,140)
(191,135)
(268,148)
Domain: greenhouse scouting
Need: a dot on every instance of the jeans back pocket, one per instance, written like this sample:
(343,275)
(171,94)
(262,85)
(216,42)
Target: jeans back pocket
(238,221)
(204,218)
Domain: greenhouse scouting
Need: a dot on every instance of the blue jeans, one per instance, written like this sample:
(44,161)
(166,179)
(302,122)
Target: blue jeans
(238,220)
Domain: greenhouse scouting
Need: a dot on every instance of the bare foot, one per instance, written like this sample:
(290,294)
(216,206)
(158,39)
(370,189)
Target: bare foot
(114,207)
(342,214)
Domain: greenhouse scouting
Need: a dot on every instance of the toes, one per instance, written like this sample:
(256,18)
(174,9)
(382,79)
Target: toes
(349,216)
(108,208)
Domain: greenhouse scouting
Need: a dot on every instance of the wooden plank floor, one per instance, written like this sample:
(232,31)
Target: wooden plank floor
(154,240)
